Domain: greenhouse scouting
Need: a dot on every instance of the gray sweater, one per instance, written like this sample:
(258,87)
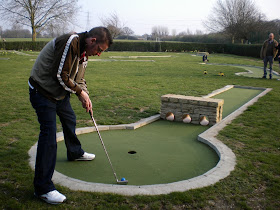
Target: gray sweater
(59,69)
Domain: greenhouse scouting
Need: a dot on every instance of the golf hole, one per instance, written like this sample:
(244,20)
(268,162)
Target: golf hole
(132,152)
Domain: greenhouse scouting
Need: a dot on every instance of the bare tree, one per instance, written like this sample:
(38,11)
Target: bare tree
(272,26)
(174,32)
(54,30)
(189,32)
(160,32)
(38,14)
(236,18)
(114,25)
(1,32)
(198,32)
(127,31)
(17,33)
(181,34)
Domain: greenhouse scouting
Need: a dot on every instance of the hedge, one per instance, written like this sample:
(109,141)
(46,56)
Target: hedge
(25,45)
(236,49)
(244,50)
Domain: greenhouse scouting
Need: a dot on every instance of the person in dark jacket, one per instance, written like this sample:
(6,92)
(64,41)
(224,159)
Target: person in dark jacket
(268,53)
(57,73)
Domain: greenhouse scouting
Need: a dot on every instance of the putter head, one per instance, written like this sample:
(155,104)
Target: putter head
(122,182)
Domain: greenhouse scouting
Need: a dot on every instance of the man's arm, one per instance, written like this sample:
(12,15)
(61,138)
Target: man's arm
(261,53)
(84,96)
(68,66)
(80,77)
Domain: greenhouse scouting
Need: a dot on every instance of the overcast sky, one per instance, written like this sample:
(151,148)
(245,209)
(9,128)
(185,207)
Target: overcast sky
(142,15)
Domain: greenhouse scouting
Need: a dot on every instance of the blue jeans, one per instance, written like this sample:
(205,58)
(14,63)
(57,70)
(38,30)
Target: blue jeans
(46,111)
(265,61)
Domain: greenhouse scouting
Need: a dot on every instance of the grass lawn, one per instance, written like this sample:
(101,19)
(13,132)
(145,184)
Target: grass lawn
(124,92)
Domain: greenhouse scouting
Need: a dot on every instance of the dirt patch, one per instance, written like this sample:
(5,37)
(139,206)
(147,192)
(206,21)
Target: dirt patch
(8,123)
(143,109)
(4,124)
(12,140)
(133,88)
(258,197)
(239,145)
(257,164)
(84,121)
(241,125)
(219,204)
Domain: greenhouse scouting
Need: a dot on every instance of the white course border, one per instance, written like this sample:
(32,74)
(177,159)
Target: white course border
(223,168)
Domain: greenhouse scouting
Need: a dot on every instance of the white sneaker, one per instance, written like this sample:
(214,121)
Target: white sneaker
(53,197)
(86,156)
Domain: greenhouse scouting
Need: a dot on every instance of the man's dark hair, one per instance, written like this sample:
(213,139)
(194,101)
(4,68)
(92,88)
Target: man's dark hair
(101,34)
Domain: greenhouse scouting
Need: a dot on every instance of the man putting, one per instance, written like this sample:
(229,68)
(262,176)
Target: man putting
(59,71)
(268,53)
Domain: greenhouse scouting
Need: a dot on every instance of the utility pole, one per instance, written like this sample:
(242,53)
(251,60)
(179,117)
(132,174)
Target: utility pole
(87,25)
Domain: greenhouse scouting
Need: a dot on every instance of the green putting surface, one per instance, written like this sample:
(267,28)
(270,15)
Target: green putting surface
(165,151)
(251,71)
(235,98)
(256,72)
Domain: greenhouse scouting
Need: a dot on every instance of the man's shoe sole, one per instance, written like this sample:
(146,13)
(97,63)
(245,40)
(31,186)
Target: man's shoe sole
(84,159)
(47,201)
(54,203)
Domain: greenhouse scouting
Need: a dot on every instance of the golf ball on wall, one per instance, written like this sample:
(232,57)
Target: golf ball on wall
(170,116)
(204,121)
(187,118)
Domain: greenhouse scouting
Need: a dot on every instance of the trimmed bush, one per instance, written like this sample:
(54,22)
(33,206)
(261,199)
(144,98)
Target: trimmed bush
(136,46)
(27,45)
(236,49)
(191,46)
(243,50)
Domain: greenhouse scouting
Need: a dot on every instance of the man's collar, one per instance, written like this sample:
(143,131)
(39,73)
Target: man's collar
(82,38)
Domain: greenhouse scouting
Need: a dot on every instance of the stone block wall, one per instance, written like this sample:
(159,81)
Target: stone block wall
(196,107)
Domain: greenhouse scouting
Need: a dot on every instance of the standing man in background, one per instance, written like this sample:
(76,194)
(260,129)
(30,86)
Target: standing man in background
(59,71)
(268,53)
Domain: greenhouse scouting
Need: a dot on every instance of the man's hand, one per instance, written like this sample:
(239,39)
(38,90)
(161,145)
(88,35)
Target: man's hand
(86,102)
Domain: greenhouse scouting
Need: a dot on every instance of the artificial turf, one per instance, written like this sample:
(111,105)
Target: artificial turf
(165,151)
(235,98)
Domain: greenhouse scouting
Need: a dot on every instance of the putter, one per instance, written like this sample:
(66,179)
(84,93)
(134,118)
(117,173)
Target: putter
(115,175)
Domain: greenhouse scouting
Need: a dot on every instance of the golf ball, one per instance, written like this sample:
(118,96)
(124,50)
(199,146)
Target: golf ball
(170,116)
(123,179)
